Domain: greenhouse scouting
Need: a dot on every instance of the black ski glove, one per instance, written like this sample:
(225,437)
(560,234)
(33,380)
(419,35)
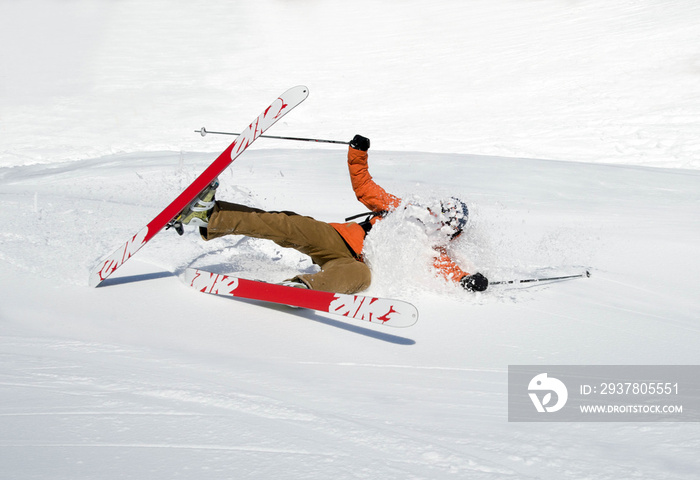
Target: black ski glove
(360,143)
(474,283)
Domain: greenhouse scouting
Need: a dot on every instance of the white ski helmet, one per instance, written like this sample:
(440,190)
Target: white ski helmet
(455,215)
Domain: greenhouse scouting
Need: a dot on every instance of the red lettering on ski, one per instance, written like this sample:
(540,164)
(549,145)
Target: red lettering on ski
(362,308)
(213,283)
(107,269)
(197,274)
(382,311)
(120,256)
(385,318)
(225,283)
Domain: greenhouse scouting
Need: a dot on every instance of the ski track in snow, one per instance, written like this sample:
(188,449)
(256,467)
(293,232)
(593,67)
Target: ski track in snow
(185,384)
(97,412)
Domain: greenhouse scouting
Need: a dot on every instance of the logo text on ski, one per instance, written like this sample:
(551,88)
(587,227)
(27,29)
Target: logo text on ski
(381,311)
(369,309)
(262,123)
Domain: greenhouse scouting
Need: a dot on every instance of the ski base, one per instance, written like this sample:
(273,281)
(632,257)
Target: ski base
(383,311)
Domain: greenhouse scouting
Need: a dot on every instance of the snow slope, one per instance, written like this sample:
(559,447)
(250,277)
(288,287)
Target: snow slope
(145,378)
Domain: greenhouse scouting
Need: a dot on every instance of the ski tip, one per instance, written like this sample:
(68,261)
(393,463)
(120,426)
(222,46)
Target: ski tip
(301,90)
(414,313)
(97,276)
(94,281)
(413,317)
(190,274)
(407,315)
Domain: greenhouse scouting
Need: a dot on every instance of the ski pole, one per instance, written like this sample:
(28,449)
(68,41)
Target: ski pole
(203,131)
(547,279)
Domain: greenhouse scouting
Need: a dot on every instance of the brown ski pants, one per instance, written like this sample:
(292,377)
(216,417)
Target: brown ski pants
(340,271)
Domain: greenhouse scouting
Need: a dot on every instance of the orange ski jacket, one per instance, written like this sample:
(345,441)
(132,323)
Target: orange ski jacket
(380,201)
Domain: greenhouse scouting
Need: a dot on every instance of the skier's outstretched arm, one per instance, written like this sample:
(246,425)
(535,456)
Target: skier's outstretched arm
(366,189)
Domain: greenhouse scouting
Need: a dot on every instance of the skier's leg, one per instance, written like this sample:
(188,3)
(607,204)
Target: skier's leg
(317,239)
(341,275)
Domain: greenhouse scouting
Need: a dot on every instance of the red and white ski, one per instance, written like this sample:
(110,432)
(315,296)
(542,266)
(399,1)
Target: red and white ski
(279,108)
(383,311)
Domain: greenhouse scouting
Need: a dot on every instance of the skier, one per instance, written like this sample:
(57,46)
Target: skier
(335,247)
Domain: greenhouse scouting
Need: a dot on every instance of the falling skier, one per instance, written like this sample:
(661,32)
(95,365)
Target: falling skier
(335,247)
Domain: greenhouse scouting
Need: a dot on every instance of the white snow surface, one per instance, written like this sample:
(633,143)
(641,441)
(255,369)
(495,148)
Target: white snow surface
(570,128)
